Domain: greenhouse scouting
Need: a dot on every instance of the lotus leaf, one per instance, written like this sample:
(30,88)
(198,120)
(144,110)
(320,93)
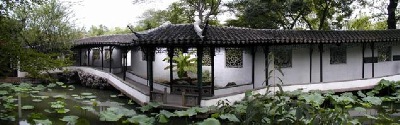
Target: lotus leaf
(230,117)
(26,107)
(6,85)
(315,99)
(373,100)
(57,104)
(201,110)
(149,106)
(62,111)
(39,88)
(37,100)
(90,97)
(109,116)
(60,83)
(141,119)
(71,120)
(60,96)
(86,93)
(210,121)
(43,122)
(167,113)
(3,92)
(190,112)
(51,85)
(87,108)
(123,111)
(162,118)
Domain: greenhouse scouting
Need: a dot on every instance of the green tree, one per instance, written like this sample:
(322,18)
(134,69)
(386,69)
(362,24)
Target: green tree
(180,12)
(36,36)
(97,31)
(315,14)
(392,20)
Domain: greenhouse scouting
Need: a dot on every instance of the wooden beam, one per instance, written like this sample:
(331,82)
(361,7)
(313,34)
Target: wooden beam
(199,73)
(149,53)
(363,56)
(111,50)
(311,52)
(373,59)
(88,57)
(125,61)
(253,59)
(212,54)
(102,59)
(321,49)
(171,74)
(80,56)
(266,54)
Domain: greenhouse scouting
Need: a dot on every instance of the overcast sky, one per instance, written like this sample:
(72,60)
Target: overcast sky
(112,13)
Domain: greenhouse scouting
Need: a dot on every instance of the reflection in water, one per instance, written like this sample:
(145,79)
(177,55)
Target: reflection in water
(74,100)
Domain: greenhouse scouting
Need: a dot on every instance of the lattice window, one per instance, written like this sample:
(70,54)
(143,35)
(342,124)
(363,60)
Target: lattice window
(283,58)
(338,55)
(234,57)
(96,54)
(206,57)
(108,56)
(385,53)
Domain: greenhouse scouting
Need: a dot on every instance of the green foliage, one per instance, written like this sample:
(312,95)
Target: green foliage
(109,116)
(210,121)
(275,14)
(183,64)
(71,120)
(35,36)
(149,106)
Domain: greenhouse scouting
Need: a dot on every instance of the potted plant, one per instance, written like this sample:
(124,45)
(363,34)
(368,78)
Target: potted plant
(182,65)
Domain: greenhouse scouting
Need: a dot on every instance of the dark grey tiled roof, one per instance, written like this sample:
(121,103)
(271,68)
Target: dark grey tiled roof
(185,34)
(169,34)
(117,39)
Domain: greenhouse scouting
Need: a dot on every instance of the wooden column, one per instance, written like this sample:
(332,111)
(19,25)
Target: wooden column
(171,74)
(199,72)
(111,50)
(321,49)
(80,56)
(266,54)
(149,53)
(102,57)
(88,57)
(253,59)
(311,52)
(212,54)
(124,63)
(363,56)
(373,59)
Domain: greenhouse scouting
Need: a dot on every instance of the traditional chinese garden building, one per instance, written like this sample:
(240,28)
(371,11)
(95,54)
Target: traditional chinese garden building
(232,60)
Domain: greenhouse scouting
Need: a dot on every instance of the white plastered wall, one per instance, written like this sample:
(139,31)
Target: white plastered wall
(223,75)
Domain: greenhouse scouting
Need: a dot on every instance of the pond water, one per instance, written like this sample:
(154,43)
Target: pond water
(71,99)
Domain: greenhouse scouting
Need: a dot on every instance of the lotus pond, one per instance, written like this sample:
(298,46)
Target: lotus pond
(58,103)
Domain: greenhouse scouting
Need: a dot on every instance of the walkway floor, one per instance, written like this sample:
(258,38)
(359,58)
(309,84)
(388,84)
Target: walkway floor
(173,101)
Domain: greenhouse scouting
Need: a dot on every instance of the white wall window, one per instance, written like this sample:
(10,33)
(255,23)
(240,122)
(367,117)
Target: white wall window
(384,53)
(234,57)
(283,58)
(338,55)
(96,54)
(206,57)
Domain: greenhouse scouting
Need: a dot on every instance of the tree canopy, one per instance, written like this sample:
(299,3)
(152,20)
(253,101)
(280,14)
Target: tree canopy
(35,36)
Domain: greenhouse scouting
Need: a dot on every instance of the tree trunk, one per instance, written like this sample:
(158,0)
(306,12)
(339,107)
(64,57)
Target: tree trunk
(391,21)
